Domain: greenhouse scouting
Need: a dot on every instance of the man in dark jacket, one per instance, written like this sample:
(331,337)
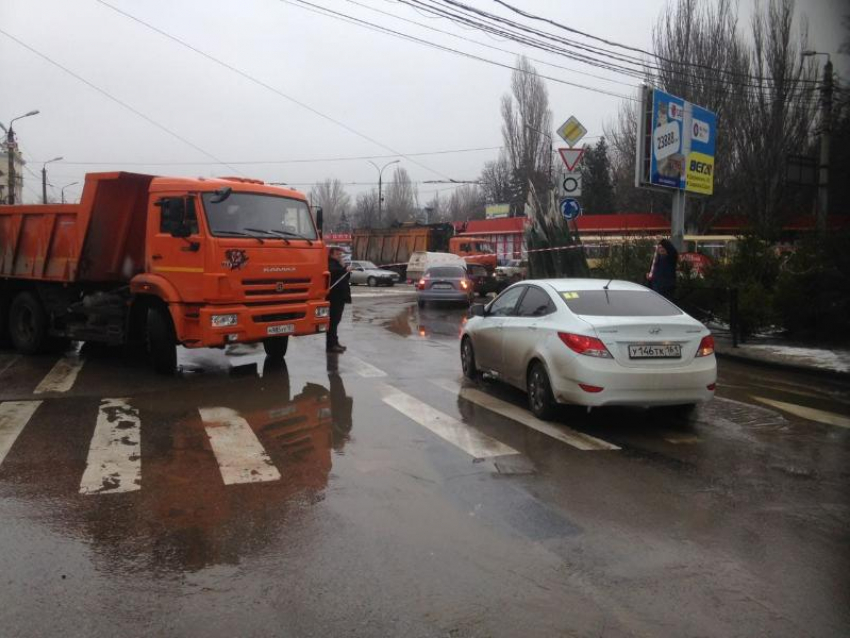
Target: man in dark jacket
(339,295)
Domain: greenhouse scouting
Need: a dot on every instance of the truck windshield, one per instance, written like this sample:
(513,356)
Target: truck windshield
(281,216)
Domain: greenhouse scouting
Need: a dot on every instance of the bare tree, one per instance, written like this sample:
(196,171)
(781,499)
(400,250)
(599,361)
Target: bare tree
(496,180)
(366,210)
(435,209)
(401,199)
(526,122)
(335,202)
(466,202)
(778,119)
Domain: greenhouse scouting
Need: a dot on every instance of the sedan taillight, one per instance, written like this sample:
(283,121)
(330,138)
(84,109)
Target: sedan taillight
(706,346)
(590,346)
(421,284)
(464,284)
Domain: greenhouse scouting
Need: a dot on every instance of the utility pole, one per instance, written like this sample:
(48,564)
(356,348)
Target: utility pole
(44,178)
(10,149)
(825,130)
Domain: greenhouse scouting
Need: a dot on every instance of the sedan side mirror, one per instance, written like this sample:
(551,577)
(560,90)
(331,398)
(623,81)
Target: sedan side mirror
(477,310)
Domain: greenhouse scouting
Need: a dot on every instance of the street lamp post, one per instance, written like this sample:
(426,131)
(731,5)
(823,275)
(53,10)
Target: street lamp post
(826,125)
(380,183)
(10,149)
(63,190)
(44,178)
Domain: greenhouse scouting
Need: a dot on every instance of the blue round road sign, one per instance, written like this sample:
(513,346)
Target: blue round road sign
(570,208)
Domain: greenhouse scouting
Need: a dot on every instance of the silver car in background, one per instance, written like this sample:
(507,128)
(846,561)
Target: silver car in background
(445,283)
(365,272)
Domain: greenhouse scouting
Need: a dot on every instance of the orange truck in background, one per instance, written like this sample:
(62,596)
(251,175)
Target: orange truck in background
(161,262)
(474,250)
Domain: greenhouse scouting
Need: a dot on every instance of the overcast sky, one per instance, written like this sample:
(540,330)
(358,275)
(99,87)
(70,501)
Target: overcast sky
(332,89)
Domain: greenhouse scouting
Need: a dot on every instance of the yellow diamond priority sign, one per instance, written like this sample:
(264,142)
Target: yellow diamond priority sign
(572,131)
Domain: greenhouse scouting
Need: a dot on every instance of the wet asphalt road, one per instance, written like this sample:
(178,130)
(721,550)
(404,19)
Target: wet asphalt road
(315,499)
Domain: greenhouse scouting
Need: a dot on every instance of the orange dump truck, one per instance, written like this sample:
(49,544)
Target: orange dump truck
(161,262)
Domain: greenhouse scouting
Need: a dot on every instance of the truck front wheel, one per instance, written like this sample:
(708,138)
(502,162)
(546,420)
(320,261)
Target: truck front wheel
(276,347)
(28,324)
(161,341)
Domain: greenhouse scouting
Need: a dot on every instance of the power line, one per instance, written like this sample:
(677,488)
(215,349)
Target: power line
(607,64)
(312,160)
(266,86)
(484,44)
(532,16)
(374,27)
(116,100)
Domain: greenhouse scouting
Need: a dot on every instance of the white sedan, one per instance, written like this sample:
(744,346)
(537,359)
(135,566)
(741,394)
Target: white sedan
(590,342)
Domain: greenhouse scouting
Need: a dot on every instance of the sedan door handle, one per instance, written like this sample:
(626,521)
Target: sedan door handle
(156,256)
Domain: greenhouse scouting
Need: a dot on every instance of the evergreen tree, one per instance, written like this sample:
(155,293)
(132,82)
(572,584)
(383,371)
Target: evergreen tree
(597,196)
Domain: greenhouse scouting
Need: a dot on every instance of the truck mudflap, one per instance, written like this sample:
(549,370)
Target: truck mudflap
(211,326)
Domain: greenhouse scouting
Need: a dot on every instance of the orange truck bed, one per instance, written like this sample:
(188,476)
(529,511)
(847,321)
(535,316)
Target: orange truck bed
(101,239)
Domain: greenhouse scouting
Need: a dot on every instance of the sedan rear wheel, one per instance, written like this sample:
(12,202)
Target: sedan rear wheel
(541,402)
(467,359)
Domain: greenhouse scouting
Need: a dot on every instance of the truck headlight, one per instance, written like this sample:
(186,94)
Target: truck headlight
(322,312)
(223,321)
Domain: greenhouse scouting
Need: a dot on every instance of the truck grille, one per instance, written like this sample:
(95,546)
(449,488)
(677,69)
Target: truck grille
(279,316)
(289,289)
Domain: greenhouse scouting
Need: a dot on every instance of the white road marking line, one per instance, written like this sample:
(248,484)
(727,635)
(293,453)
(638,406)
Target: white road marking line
(12,361)
(812,414)
(14,415)
(240,455)
(683,440)
(62,377)
(114,464)
(521,415)
(475,443)
(363,368)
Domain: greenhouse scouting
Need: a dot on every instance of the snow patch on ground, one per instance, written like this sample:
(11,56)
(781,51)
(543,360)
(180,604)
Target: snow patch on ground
(837,360)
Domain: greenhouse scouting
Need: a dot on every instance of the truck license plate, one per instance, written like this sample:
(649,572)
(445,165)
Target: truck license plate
(661,351)
(281,330)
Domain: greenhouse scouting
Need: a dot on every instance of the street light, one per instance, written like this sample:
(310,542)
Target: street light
(10,149)
(44,178)
(380,192)
(826,121)
(66,186)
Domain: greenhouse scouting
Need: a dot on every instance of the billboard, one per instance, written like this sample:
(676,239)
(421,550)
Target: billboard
(676,144)
(494,211)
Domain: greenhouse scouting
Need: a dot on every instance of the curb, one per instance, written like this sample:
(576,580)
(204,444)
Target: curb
(835,375)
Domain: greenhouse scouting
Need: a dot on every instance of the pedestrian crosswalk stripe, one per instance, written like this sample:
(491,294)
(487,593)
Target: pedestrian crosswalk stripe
(62,377)
(114,462)
(363,368)
(14,415)
(812,414)
(240,455)
(6,366)
(475,443)
(562,433)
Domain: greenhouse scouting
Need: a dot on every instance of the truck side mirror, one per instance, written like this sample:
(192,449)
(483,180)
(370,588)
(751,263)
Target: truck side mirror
(320,218)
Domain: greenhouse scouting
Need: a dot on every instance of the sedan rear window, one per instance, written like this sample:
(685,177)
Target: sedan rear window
(447,271)
(619,303)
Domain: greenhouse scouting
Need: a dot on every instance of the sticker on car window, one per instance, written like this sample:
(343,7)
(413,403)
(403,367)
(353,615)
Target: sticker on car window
(569,295)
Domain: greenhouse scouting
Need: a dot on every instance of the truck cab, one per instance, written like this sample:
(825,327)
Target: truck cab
(165,261)
(474,250)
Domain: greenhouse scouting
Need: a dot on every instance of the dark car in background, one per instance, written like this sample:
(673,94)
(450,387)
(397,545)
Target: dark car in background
(445,283)
(483,280)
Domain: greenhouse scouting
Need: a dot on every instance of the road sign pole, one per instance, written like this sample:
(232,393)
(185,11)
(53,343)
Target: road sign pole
(677,223)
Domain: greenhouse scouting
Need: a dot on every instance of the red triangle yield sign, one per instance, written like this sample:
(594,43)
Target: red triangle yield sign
(571,157)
